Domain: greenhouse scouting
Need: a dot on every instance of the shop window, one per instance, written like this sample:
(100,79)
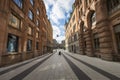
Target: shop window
(30,14)
(96,41)
(12,43)
(29,45)
(19,3)
(14,21)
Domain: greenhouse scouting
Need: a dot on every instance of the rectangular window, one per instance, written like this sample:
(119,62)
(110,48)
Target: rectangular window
(29,45)
(73,18)
(29,31)
(12,43)
(32,2)
(19,3)
(37,22)
(85,44)
(30,14)
(74,27)
(37,34)
(38,12)
(14,21)
(37,45)
(96,41)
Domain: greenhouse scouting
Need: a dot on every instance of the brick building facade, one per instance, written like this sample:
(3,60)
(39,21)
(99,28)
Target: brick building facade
(23,30)
(99,22)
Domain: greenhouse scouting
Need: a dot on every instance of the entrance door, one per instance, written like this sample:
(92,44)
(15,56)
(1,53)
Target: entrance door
(117,34)
(118,41)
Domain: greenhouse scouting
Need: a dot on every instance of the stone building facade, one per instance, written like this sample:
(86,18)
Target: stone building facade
(99,23)
(72,35)
(23,30)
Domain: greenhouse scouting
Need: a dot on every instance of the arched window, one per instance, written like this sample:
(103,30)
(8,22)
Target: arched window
(93,19)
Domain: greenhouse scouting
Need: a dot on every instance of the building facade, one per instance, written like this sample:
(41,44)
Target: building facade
(62,44)
(23,30)
(72,33)
(55,44)
(99,23)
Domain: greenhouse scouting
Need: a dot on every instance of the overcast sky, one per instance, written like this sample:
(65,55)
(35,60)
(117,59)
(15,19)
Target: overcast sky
(58,12)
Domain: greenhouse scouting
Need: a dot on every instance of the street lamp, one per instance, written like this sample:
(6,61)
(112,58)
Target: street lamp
(57,36)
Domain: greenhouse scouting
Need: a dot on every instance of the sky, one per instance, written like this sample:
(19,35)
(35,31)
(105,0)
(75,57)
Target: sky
(58,12)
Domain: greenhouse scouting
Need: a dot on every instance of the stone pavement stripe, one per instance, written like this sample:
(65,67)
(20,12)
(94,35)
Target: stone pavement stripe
(29,70)
(110,76)
(14,67)
(79,73)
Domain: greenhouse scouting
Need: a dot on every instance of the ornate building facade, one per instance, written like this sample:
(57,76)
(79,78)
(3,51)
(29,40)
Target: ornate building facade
(99,22)
(72,29)
(23,30)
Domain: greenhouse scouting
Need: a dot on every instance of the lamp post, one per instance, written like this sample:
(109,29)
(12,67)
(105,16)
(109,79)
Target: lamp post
(57,36)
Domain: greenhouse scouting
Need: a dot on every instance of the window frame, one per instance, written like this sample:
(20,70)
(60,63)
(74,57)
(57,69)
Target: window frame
(20,4)
(16,43)
(17,20)
(30,15)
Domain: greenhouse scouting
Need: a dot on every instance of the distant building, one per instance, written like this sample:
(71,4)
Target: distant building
(62,45)
(24,29)
(55,44)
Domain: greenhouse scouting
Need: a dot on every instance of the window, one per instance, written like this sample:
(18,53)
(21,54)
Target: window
(14,21)
(37,22)
(30,14)
(74,27)
(117,34)
(37,45)
(86,2)
(93,19)
(113,5)
(85,44)
(29,45)
(81,11)
(73,18)
(96,41)
(83,28)
(32,2)
(12,43)
(29,31)
(19,3)
(37,34)
(38,12)
(75,37)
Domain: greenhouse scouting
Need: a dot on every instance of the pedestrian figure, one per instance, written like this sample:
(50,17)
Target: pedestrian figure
(59,53)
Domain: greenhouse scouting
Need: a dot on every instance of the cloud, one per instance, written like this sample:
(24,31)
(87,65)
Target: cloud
(58,12)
